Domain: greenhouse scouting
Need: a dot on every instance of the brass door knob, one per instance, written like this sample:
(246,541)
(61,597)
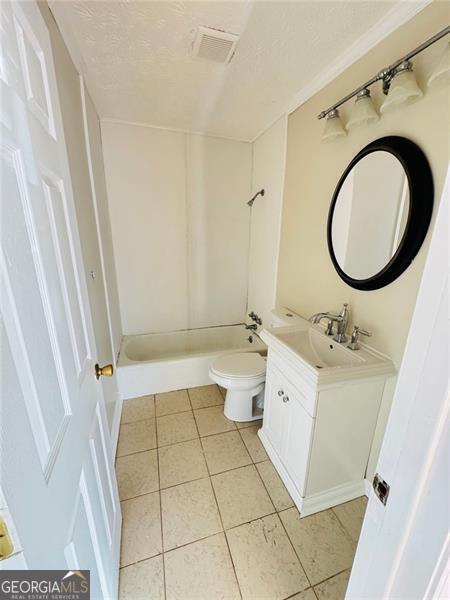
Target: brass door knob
(106,371)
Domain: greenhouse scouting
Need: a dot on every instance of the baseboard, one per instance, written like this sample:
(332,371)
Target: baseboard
(333,497)
(308,505)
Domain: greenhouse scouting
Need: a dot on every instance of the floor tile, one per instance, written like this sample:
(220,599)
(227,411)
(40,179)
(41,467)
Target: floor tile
(189,513)
(205,396)
(181,463)
(242,424)
(176,428)
(241,496)
(212,420)
(334,588)
(172,402)
(321,543)
(136,437)
(143,580)
(276,488)
(141,528)
(305,595)
(202,570)
(138,409)
(137,474)
(225,451)
(351,515)
(253,443)
(265,563)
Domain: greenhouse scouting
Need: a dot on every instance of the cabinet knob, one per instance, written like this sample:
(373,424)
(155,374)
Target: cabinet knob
(280,393)
(285,398)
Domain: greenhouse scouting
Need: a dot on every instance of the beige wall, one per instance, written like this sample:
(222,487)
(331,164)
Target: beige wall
(180,226)
(307,281)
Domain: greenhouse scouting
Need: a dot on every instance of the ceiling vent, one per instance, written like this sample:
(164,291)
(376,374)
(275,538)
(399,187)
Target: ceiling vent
(213,44)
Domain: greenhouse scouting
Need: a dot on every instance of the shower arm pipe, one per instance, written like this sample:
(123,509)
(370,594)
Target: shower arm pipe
(386,74)
(253,198)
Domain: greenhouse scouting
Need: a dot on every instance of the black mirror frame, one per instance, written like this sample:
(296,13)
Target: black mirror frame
(421,193)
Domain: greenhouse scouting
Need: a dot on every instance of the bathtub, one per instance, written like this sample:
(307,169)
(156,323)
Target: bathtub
(163,362)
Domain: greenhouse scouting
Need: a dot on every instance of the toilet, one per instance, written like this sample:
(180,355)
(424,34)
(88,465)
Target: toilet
(243,375)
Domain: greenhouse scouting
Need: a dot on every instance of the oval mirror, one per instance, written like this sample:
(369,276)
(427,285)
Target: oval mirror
(380,213)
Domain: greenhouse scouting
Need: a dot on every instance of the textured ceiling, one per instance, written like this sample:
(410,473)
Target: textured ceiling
(135,57)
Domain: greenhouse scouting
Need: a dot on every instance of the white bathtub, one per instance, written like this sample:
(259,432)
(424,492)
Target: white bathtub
(163,362)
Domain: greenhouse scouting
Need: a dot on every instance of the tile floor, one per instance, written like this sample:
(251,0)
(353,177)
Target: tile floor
(205,515)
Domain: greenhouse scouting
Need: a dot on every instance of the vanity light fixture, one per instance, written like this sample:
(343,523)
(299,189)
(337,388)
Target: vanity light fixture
(398,76)
(441,75)
(334,128)
(403,88)
(363,112)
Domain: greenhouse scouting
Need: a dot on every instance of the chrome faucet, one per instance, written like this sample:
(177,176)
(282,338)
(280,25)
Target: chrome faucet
(331,318)
(357,331)
(341,321)
(342,325)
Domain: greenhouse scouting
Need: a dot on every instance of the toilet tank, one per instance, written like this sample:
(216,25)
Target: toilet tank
(282,317)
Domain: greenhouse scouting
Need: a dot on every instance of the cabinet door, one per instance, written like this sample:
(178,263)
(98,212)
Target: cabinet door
(275,411)
(298,432)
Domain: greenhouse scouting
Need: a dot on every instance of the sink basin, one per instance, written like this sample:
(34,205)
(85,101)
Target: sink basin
(322,359)
(320,350)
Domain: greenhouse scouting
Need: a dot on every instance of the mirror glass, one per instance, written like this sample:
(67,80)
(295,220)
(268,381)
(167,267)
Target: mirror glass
(370,215)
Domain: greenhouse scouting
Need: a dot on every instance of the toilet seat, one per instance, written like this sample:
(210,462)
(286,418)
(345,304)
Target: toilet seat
(240,365)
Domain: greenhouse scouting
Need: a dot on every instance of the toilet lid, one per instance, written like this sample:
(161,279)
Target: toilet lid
(240,364)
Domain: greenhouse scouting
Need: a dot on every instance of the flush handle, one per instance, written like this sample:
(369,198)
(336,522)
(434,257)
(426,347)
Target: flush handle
(106,371)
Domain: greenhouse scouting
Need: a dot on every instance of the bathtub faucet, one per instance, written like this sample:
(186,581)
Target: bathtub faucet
(254,317)
(252,327)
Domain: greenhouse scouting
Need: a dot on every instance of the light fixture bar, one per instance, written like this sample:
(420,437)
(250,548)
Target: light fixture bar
(386,74)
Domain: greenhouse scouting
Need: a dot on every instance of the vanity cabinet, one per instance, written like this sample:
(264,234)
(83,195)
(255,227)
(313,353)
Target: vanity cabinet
(319,436)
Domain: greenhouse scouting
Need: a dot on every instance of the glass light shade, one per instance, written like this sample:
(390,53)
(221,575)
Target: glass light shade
(363,112)
(441,75)
(334,128)
(402,91)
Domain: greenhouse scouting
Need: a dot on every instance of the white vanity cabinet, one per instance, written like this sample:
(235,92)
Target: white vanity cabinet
(318,429)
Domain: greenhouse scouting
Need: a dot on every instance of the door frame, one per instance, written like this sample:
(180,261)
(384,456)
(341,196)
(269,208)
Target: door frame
(415,433)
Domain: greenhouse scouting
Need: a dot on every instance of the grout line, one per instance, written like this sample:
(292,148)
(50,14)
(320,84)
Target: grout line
(342,524)
(160,511)
(220,517)
(293,548)
(297,593)
(141,560)
(199,539)
(171,414)
(331,577)
(284,528)
(133,453)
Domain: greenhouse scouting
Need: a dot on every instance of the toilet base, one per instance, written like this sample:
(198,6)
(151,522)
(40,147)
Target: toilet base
(240,405)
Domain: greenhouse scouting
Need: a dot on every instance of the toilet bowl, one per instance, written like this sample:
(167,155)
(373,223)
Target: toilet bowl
(243,375)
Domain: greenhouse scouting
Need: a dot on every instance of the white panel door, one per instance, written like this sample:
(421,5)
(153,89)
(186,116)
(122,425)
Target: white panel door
(57,464)
(299,430)
(275,411)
